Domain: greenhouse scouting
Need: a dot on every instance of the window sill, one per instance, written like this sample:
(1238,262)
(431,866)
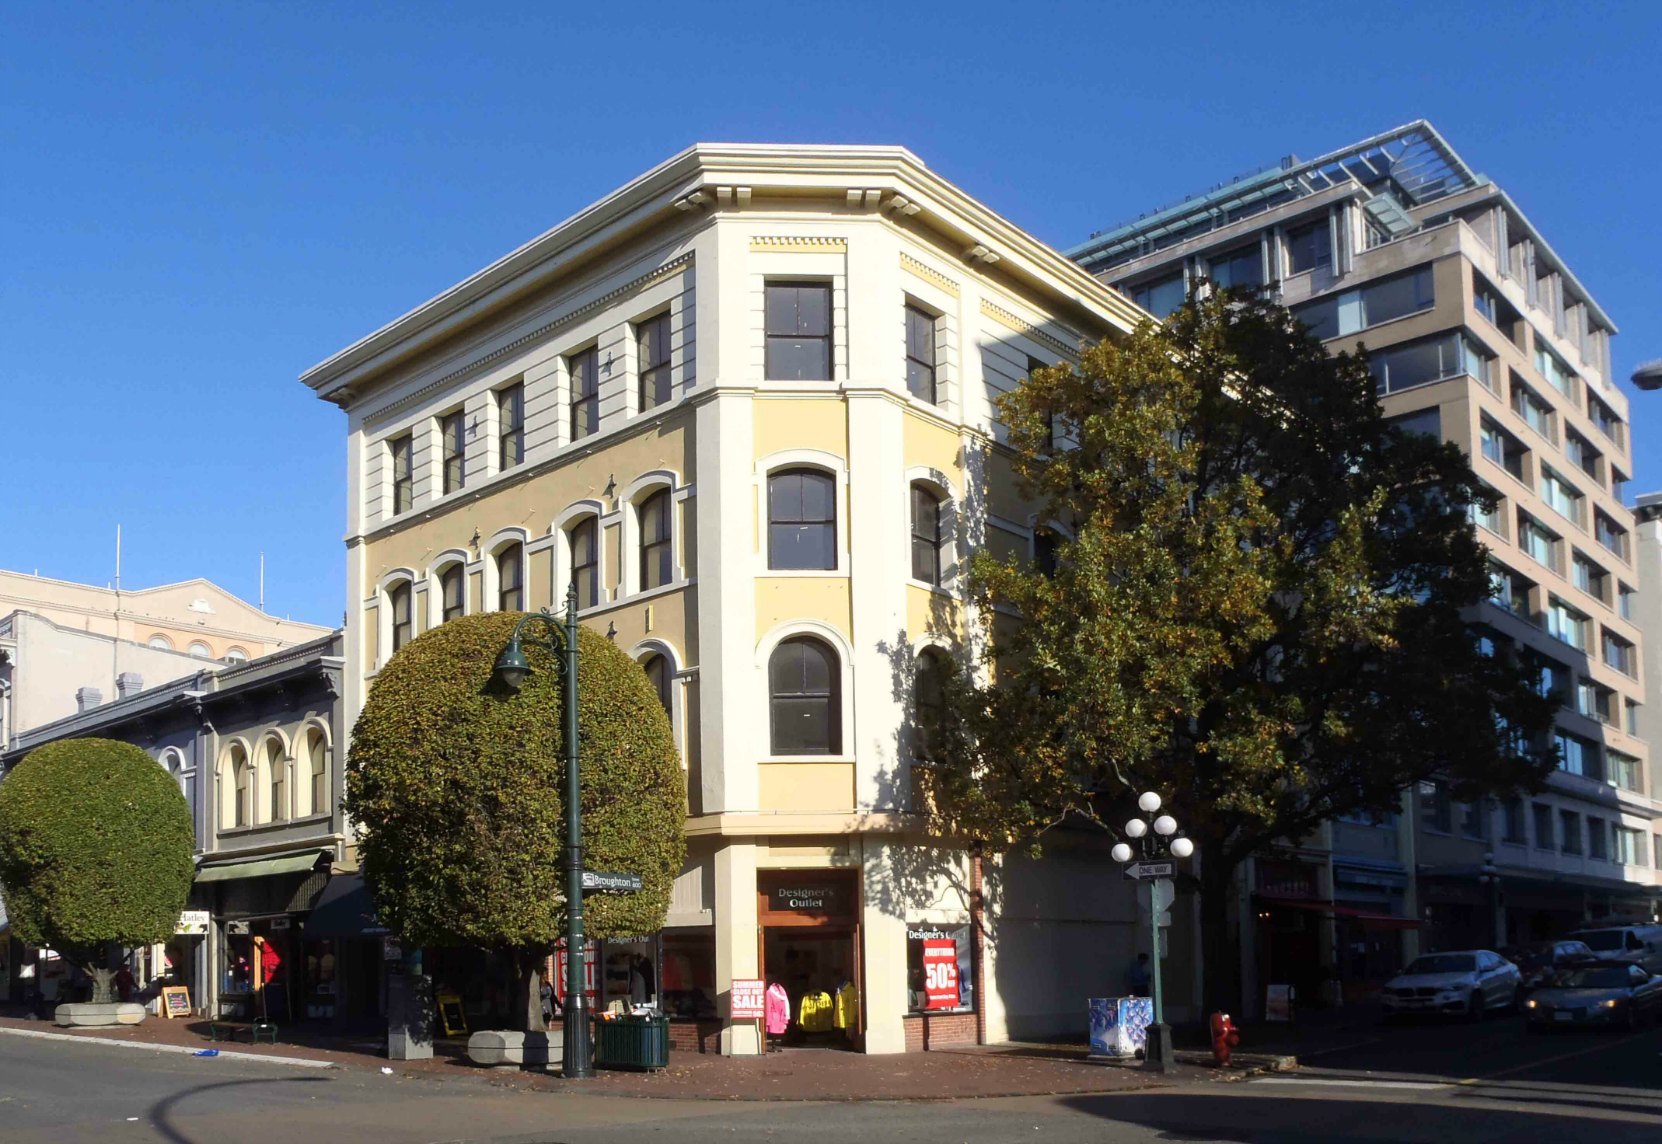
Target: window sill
(841,572)
(947,590)
(771,759)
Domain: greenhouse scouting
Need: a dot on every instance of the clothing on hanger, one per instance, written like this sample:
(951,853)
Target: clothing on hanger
(847,1006)
(815,1011)
(778,1009)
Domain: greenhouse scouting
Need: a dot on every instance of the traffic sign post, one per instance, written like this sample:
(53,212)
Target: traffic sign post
(1142,870)
(597,880)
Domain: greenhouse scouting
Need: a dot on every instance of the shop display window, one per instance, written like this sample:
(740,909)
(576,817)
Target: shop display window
(940,966)
(688,973)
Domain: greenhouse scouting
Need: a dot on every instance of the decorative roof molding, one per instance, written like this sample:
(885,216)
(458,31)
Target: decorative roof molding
(928,273)
(1031,329)
(783,244)
(667,270)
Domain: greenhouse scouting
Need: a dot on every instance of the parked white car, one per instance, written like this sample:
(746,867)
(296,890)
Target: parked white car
(1467,983)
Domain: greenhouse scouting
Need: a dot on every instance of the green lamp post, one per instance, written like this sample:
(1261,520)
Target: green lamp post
(577,1051)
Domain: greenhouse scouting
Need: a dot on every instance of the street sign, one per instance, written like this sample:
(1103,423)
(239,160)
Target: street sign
(1150,869)
(606,880)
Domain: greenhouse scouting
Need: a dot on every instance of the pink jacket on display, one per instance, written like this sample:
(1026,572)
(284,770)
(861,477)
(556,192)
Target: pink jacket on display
(778,1009)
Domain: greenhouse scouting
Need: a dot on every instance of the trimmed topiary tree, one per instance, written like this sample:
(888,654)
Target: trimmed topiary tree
(96,850)
(457,789)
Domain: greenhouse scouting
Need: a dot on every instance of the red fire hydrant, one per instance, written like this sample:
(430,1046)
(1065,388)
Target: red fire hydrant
(1224,1037)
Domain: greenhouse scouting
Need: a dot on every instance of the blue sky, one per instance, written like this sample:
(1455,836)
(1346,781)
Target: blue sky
(199,201)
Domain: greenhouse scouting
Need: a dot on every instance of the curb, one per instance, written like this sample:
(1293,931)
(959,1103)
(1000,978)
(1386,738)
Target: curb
(298,1062)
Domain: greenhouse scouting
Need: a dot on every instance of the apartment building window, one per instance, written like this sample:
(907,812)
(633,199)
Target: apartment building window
(1427,422)
(1630,846)
(1625,772)
(1604,419)
(510,426)
(452,593)
(1534,539)
(1471,819)
(798,326)
(1512,822)
(1558,374)
(1593,701)
(802,520)
(1577,756)
(655,546)
(1411,364)
(403,473)
(1537,414)
(920,354)
(1598,839)
(1589,577)
(1561,496)
(583,540)
(804,685)
(1492,516)
(1242,267)
(1567,624)
(1544,837)
(1630,717)
(1310,247)
(1617,652)
(585,393)
(1503,449)
(1656,851)
(510,579)
(1381,301)
(652,359)
(1552,679)
(1624,601)
(1618,483)
(1435,808)
(453,435)
(1509,590)
(1610,534)
(926,535)
(1582,455)
(1569,823)
(403,614)
(1162,296)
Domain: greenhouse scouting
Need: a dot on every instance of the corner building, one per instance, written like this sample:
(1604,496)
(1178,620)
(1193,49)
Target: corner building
(745,404)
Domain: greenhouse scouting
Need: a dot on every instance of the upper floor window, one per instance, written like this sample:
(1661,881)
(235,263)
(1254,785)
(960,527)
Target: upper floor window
(1536,413)
(1570,822)
(1504,449)
(199,650)
(804,686)
(1567,624)
(1610,534)
(242,789)
(277,778)
(652,359)
(584,545)
(1618,653)
(929,701)
(235,655)
(403,473)
(1618,483)
(1381,301)
(798,323)
(453,431)
(1604,419)
(1562,496)
(1552,367)
(1046,551)
(926,535)
(1243,266)
(1624,601)
(159,641)
(658,674)
(1310,247)
(920,354)
(1626,772)
(317,772)
(1582,455)
(510,579)
(1162,296)
(655,546)
(403,614)
(452,593)
(585,393)
(1589,577)
(1578,756)
(1410,364)
(802,520)
(510,426)
(1537,541)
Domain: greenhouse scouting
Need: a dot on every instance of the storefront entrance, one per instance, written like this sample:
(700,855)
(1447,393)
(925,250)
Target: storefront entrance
(810,947)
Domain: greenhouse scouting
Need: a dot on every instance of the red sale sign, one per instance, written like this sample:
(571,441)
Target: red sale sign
(560,970)
(940,973)
(749,998)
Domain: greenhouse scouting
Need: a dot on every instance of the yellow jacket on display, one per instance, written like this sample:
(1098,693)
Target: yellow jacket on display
(814,1013)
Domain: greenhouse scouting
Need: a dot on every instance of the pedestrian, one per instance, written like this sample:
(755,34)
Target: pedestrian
(124,983)
(1137,977)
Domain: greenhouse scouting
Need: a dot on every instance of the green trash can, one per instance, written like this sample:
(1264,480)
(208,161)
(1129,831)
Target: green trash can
(640,1043)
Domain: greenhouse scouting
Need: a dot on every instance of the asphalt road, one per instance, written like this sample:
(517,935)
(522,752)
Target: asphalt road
(1470,1084)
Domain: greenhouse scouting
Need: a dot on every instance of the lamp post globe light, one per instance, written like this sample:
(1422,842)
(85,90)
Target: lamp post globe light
(510,672)
(1155,842)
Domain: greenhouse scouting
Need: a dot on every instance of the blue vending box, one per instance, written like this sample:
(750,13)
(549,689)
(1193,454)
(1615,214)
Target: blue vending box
(1119,1025)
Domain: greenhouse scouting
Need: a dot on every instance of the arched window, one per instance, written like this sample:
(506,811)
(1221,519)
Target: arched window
(403,614)
(452,593)
(235,655)
(277,779)
(584,546)
(926,535)
(657,672)
(510,579)
(655,553)
(160,641)
(235,789)
(804,685)
(317,772)
(802,520)
(199,650)
(928,701)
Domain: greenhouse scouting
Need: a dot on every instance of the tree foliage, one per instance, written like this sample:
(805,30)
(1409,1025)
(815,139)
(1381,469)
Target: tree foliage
(457,789)
(1261,606)
(96,848)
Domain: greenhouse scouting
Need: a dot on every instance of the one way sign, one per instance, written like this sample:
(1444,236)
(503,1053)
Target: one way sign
(1150,869)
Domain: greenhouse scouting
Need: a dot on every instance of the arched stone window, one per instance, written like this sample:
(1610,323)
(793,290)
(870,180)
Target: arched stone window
(452,593)
(656,564)
(401,599)
(804,698)
(583,541)
(313,792)
(277,782)
(802,520)
(235,789)
(658,672)
(928,702)
(510,578)
(926,534)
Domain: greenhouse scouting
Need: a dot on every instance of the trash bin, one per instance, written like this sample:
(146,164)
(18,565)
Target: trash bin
(629,1042)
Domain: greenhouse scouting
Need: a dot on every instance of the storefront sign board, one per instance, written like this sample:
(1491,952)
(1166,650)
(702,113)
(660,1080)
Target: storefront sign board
(749,998)
(175,1001)
(192,923)
(940,973)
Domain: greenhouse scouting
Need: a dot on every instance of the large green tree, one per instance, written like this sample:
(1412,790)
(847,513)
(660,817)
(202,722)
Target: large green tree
(1261,607)
(457,789)
(96,850)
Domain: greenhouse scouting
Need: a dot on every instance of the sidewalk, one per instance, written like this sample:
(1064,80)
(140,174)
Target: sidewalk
(795,1074)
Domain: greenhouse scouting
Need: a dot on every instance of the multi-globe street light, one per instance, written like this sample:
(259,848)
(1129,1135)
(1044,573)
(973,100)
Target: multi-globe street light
(1156,842)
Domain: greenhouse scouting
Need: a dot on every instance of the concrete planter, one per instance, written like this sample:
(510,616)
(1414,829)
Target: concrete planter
(492,1047)
(85,1014)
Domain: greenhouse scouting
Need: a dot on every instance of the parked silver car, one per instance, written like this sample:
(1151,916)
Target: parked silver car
(1463,983)
(1602,993)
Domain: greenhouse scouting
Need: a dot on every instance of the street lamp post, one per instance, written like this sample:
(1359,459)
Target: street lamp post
(576,1053)
(1154,846)
(1489,875)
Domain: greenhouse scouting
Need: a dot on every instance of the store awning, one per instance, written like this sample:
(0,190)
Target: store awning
(257,868)
(345,909)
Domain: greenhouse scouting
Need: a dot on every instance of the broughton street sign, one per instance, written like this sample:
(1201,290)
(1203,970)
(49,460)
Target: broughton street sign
(607,880)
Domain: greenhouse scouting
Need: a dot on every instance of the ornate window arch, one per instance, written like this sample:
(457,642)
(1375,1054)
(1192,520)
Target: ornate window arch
(505,566)
(649,532)
(274,790)
(236,786)
(313,771)
(395,612)
(447,587)
(807,677)
(160,641)
(579,555)
(801,498)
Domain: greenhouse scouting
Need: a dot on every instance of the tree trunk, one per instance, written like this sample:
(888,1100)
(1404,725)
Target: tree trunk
(1220,947)
(528,965)
(103,985)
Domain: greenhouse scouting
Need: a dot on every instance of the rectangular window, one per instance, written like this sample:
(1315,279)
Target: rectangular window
(1610,534)
(798,324)
(920,355)
(1558,374)
(1567,624)
(1433,359)
(1630,847)
(1160,297)
(1624,602)
(1544,837)
(652,359)
(1582,455)
(403,473)
(1562,496)
(1512,822)
(1242,267)
(1471,819)
(1625,772)
(1569,824)
(1541,545)
(1618,483)
(584,368)
(453,432)
(1604,419)
(1630,717)
(926,536)
(1509,590)
(1598,839)
(1552,679)
(1578,756)
(1594,701)
(1436,808)
(1427,422)
(1590,578)
(1617,652)
(1537,414)
(1310,247)
(1503,449)
(510,426)
(1492,518)
(802,520)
